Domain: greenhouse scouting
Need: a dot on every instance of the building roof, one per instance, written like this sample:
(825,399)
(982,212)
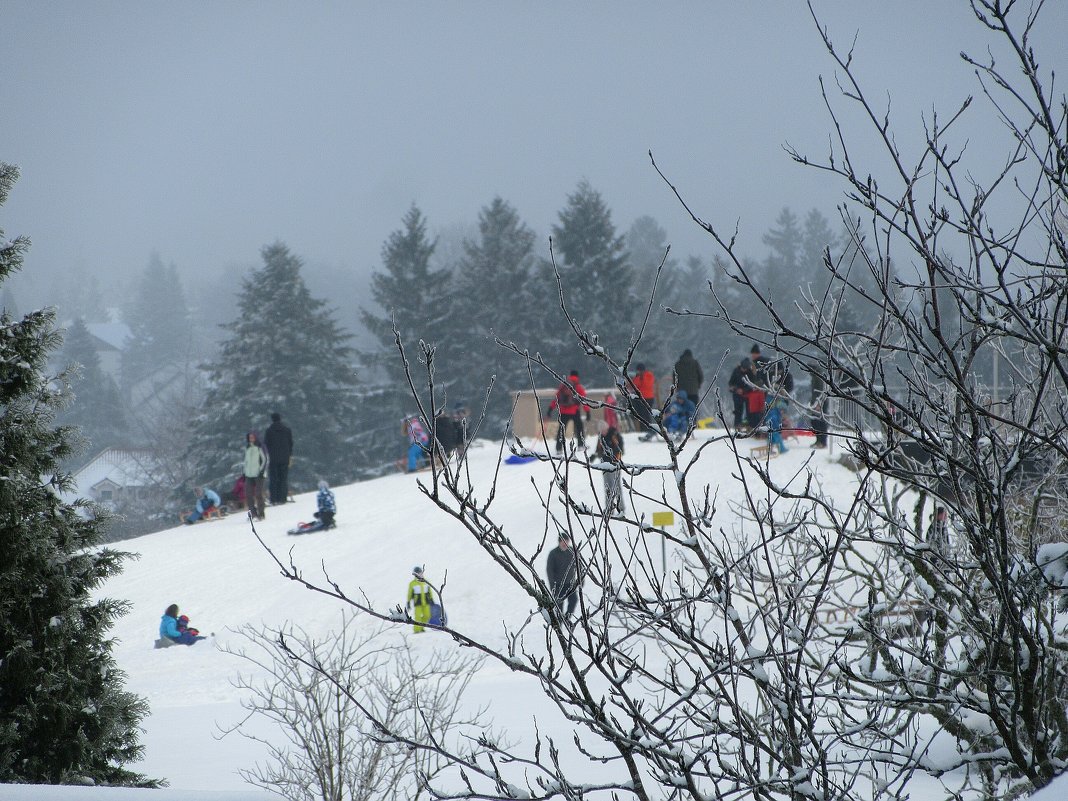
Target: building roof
(126,467)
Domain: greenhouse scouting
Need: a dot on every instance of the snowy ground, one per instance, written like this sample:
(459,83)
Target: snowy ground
(222,577)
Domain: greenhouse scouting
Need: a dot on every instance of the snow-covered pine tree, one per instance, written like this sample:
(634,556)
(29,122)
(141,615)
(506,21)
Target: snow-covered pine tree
(598,280)
(409,291)
(96,408)
(285,353)
(647,244)
(64,715)
(493,299)
(160,324)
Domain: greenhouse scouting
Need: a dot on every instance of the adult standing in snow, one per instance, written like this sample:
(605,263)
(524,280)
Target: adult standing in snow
(738,384)
(255,470)
(207,499)
(447,434)
(688,376)
(418,441)
(819,410)
(644,383)
(938,531)
(420,597)
(279,441)
(610,448)
(561,570)
(569,400)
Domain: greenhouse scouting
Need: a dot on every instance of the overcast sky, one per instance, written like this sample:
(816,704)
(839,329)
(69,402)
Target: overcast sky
(203,131)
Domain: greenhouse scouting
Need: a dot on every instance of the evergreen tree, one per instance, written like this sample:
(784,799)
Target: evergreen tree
(418,297)
(647,244)
(95,409)
(64,715)
(493,298)
(284,353)
(781,268)
(159,321)
(815,239)
(7,303)
(80,296)
(598,279)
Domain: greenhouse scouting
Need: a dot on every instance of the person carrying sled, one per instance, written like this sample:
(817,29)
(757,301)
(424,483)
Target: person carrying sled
(420,599)
(255,469)
(418,440)
(174,630)
(207,499)
(610,448)
(569,400)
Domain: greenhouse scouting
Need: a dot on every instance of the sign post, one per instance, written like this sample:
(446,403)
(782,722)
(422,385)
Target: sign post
(663,520)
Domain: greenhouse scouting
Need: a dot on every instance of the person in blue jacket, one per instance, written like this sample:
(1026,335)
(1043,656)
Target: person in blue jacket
(207,499)
(680,414)
(168,628)
(325,514)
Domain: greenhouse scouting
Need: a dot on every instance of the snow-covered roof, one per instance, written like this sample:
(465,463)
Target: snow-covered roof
(114,335)
(125,467)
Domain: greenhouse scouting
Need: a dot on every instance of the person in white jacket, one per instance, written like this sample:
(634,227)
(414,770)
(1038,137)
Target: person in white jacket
(255,470)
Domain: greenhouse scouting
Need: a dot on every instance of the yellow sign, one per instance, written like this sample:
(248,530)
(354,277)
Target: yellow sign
(662,519)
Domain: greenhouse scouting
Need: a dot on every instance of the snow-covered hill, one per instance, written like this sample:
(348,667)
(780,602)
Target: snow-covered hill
(223,578)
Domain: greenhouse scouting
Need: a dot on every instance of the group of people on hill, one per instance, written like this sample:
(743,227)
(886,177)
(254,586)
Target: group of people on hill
(266,462)
(760,391)
(450,436)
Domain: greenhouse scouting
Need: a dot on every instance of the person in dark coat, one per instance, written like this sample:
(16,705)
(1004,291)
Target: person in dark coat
(688,376)
(819,411)
(279,441)
(759,364)
(561,570)
(610,448)
(738,384)
(448,434)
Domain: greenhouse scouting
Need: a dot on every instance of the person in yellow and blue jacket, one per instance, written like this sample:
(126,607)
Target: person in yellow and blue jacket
(420,598)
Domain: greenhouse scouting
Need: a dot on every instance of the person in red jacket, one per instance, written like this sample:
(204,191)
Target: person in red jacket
(569,401)
(645,383)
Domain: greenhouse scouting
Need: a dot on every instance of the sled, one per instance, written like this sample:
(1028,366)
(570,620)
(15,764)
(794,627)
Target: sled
(763,452)
(215,513)
(706,422)
(437,616)
(402,466)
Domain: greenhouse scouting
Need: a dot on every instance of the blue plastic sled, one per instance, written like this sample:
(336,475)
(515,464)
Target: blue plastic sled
(513,459)
(437,616)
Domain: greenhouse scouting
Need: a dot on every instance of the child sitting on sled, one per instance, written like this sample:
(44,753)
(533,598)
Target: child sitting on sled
(175,630)
(325,515)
